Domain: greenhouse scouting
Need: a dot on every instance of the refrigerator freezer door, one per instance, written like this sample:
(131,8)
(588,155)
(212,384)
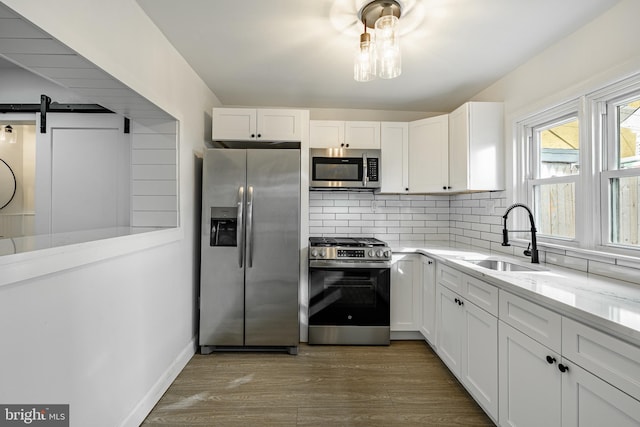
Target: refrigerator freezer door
(221,272)
(273,265)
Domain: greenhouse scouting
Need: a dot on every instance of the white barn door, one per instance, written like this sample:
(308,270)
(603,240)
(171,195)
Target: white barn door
(83,173)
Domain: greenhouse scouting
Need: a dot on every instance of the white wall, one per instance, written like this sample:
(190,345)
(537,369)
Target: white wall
(601,52)
(108,336)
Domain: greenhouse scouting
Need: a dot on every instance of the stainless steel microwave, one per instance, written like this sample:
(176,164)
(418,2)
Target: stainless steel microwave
(344,169)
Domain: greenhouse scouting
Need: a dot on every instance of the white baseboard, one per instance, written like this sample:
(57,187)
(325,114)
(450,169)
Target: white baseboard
(406,335)
(142,409)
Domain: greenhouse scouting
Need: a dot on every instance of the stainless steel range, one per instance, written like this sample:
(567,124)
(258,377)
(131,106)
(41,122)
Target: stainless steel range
(349,291)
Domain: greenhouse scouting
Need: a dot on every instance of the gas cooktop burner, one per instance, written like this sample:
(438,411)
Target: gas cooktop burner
(346,241)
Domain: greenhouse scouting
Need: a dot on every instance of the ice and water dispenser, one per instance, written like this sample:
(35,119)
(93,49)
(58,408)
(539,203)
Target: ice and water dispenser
(224,226)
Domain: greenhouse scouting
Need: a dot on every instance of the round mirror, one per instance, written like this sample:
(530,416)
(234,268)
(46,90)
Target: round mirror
(8,184)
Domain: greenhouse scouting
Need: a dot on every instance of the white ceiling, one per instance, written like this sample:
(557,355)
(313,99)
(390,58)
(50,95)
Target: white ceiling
(299,53)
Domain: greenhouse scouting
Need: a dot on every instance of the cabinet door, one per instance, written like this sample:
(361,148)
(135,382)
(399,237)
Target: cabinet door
(459,148)
(530,387)
(234,124)
(449,328)
(476,147)
(279,125)
(428,309)
(405,287)
(326,133)
(394,143)
(588,401)
(428,155)
(479,364)
(364,135)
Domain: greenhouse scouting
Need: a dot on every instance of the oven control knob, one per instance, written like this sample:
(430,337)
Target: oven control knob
(379,253)
(323,253)
(314,253)
(372,253)
(387,254)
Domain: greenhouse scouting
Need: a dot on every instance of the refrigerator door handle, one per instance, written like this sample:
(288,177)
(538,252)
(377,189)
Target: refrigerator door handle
(240,227)
(250,227)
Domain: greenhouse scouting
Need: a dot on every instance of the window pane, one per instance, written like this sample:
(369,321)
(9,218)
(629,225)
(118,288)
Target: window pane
(629,135)
(559,149)
(625,223)
(555,209)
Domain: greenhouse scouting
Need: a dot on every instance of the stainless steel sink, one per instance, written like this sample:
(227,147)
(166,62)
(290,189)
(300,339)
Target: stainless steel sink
(499,265)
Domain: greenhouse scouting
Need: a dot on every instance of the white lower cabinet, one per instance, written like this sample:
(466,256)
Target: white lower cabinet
(406,272)
(467,342)
(529,384)
(543,387)
(428,309)
(588,401)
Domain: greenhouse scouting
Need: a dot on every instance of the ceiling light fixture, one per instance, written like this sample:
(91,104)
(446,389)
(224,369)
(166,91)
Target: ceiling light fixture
(7,134)
(380,58)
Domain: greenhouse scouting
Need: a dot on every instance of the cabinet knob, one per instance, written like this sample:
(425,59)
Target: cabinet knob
(406,189)
(259,135)
(430,262)
(563,368)
(342,145)
(347,145)
(551,360)
(460,302)
(253,135)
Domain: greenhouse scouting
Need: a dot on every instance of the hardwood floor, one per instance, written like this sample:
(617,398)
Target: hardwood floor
(404,384)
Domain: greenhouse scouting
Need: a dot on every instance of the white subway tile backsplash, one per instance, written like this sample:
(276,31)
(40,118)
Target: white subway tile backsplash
(467,219)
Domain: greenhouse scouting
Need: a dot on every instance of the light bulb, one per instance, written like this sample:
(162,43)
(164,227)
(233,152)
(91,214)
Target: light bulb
(364,64)
(389,63)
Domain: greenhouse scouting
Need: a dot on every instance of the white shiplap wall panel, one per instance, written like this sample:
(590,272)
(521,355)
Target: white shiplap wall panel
(154,194)
(154,187)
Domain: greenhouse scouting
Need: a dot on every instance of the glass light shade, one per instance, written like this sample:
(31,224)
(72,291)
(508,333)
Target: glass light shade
(389,64)
(364,64)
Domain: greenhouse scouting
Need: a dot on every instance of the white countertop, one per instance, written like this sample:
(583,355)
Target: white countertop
(610,305)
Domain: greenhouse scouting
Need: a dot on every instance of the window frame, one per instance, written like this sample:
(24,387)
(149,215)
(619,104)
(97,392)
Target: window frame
(529,164)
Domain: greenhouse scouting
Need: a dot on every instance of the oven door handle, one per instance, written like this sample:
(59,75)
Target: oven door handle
(349,265)
(365,170)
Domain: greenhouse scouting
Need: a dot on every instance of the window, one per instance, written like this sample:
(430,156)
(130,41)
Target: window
(579,170)
(621,174)
(553,170)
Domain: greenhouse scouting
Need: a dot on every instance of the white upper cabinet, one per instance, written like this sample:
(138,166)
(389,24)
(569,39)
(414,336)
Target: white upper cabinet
(394,143)
(250,124)
(428,154)
(363,135)
(476,147)
(340,134)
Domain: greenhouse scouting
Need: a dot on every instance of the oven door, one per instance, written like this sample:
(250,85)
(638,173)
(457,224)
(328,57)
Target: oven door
(357,295)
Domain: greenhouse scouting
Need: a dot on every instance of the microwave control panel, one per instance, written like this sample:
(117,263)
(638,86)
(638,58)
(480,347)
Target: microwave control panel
(372,169)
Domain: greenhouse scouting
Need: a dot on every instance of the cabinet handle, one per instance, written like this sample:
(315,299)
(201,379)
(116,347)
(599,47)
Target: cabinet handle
(551,360)
(457,301)
(460,302)
(430,262)
(563,368)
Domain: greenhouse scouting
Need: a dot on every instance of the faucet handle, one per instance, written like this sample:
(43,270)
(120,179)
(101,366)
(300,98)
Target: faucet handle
(527,251)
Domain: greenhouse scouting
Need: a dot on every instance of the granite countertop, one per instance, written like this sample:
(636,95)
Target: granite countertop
(610,305)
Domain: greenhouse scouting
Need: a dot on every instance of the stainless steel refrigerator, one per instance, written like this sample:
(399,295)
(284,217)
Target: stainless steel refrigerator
(250,259)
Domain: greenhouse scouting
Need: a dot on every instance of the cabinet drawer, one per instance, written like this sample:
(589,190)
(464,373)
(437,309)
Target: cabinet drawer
(450,278)
(480,293)
(607,357)
(537,322)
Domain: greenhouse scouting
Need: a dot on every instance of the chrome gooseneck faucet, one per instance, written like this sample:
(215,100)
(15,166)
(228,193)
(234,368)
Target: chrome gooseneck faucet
(505,233)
